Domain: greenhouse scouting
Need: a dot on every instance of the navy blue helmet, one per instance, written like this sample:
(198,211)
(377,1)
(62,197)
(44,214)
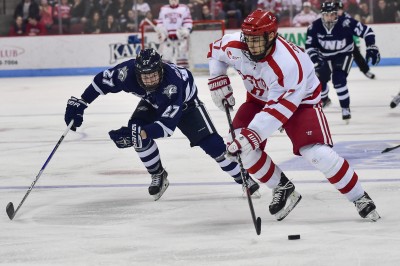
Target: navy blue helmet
(328,7)
(149,69)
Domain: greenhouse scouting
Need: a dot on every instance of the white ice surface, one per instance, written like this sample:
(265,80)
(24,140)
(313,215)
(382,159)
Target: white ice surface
(91,206)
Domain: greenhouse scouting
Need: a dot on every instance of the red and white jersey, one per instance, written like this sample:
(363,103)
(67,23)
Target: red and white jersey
(173,18)
(284,79)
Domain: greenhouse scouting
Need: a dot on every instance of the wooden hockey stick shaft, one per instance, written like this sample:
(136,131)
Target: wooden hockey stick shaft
(10,207)
(256,220)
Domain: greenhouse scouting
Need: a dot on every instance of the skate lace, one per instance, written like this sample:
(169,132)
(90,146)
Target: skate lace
(362,203)
(156,180)
(278,192)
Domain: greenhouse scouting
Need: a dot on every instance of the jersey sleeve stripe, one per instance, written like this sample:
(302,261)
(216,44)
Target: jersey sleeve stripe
(289,105)
(235,44)
(97,88)
(278,115)
(167,132)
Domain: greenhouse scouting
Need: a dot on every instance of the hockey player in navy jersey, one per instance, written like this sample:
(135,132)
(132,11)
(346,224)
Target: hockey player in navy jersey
(358,57)
(168,101)
(330,46)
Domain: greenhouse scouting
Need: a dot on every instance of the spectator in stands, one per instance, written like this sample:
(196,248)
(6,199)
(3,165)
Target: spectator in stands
(106,8)
(316,4)
(305,17)
(34,27)
(195,7)
(46,14)
(27,9)
(275,6)
(80,11)
(17,27)
(120,8)
(291,5)
(110,25)
(130,24)
(353,9)
(234,10)
(206,15)
(383,13)
(93,26)
(142,8)
(365,16)
(219,12)
(149,16)
(63,10)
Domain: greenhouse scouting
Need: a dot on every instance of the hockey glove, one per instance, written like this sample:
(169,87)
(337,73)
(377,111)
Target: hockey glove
(221,90)
(247,141)
(182,33)
(135,134)
(373,55)
(121,137)
(74,111)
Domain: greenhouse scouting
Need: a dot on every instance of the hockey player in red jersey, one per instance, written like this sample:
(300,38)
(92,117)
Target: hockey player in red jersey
(283,92)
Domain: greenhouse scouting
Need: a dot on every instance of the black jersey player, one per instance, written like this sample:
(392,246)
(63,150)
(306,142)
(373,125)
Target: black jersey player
(330,45)
(169,100)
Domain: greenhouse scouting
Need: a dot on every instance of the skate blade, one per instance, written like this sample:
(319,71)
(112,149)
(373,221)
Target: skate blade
(294,198)
(159,194)
(373,216)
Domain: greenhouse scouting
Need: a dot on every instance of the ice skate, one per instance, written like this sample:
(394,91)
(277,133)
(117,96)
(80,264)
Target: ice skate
(281,194)
(395,101)
(251,184)
(326,102)
(346,115)
(366,208)
(159,184)
(369,75)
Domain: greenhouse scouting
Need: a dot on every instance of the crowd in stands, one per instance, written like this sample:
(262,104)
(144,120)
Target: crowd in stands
(43,17)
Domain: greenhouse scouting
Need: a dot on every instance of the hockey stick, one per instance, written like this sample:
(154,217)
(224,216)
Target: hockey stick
(256,221)
(10,206)
(390,149)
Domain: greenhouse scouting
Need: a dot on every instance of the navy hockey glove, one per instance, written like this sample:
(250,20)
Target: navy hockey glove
(74,111)
(121,137)
(247,141)
(373,55)
(135,134)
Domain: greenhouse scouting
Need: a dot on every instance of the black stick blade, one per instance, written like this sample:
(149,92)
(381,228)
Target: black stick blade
(390,149)
(10,210)
(258,228)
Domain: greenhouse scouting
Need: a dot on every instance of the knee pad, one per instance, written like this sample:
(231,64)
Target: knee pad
(322,157)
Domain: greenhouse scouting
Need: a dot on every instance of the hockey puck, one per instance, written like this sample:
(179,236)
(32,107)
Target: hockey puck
(293,237)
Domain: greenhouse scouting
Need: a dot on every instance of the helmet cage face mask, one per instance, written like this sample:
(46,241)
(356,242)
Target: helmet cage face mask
(256,29)
(149,69)
(329,14)
(258,46)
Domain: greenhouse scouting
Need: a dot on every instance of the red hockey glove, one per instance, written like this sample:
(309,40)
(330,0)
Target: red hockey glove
(221,90)
(247,141)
